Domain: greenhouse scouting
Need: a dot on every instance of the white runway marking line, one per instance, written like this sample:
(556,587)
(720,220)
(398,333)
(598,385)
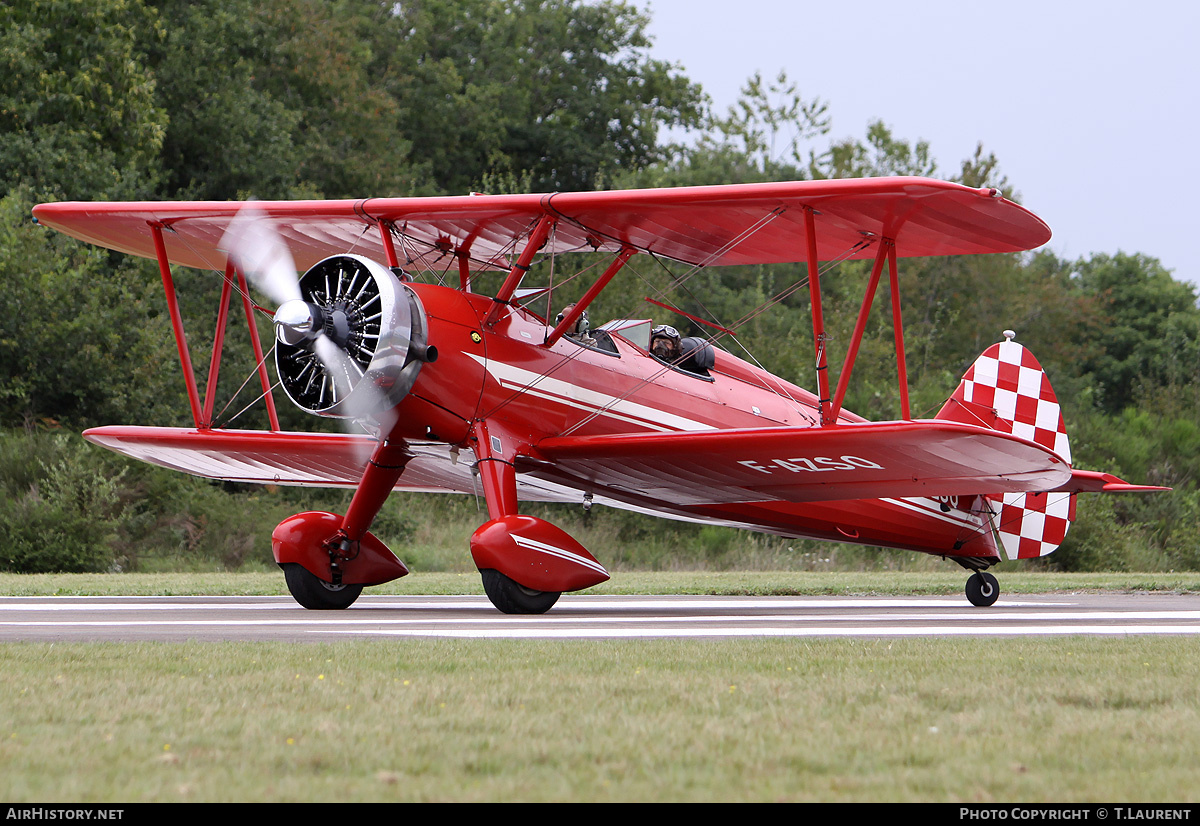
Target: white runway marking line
(616,617)
(929,631)
(182,606)
(558,619)
(341,621)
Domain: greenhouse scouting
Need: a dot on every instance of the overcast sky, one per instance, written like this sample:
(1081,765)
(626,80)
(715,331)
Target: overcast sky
(1091,108)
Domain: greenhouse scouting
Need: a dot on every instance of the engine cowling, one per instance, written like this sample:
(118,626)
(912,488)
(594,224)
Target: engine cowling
(352,345)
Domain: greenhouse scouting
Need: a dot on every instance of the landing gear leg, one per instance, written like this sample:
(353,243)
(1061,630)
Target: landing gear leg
(982,589)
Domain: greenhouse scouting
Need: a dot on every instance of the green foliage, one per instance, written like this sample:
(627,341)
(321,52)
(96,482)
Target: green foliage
(763,137)
(561,90)
(288,90)
(981,171)
(883,154)
(58,511)
(82,338)
(79,114)
(66,505)
(291,98)
(1150,332)
(209,60)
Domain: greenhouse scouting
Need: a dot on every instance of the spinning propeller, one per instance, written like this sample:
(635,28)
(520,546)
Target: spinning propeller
(350,338)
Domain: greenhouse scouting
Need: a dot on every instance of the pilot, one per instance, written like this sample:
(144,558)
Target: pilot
(665,343)
(582,329)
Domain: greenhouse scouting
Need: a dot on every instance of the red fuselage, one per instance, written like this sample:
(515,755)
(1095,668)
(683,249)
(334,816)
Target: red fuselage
(506,376)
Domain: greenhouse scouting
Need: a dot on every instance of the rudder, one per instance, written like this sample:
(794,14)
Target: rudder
(1006,389)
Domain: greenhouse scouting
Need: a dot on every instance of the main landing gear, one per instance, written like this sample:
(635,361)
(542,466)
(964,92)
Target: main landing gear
(323,571)
(513,598)
(317,594)
(525,562)
(982,589)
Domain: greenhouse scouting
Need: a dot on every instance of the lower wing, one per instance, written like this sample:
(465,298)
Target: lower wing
(858,461)
(854,461)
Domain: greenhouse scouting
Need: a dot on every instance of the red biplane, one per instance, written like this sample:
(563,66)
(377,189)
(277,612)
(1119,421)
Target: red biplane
(460,390)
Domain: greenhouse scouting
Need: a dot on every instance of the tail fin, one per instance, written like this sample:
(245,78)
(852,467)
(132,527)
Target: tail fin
(1006,389)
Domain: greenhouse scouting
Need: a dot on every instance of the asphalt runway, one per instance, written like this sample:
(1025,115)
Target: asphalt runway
(176,619)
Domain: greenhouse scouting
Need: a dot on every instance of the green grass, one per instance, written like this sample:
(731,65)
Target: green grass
(943,720)
(1072,719)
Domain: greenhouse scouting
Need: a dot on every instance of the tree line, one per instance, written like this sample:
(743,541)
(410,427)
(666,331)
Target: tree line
(166,99)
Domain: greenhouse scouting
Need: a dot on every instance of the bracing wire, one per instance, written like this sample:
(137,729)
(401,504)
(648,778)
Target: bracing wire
(781,390)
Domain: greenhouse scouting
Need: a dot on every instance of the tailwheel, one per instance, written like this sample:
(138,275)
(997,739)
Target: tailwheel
(982,589)
(512,598)
(316,594)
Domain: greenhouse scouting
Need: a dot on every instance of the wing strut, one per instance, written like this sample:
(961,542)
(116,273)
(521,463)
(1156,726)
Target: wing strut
(898,326)
(464,266)
(185,358)
(859,326)
(389,248)
(582,304)
(263,378)
(887,249)
(202,414)
(818,317)
(214,364)
(536,239)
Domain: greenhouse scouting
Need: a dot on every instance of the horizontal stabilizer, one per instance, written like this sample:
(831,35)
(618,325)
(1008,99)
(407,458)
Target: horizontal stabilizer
(1092,481)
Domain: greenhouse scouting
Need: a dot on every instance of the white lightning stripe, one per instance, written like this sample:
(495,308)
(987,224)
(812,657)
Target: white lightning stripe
(584,398)
(561,553)
(935,511)
(570,403)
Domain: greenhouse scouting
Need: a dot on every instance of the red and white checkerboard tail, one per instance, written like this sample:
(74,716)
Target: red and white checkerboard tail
(1006,389)
(1032,524)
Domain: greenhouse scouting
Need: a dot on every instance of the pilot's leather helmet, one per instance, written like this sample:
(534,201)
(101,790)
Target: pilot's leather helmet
(664,342)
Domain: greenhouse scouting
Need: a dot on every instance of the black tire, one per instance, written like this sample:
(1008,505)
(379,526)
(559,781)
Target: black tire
(512,598)
(316,594)
(982,589)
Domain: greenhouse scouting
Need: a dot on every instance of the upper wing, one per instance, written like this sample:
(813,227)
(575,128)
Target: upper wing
(854,461)
(712,225)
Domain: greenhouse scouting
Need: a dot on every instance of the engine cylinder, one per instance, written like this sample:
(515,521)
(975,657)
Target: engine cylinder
(362,345)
